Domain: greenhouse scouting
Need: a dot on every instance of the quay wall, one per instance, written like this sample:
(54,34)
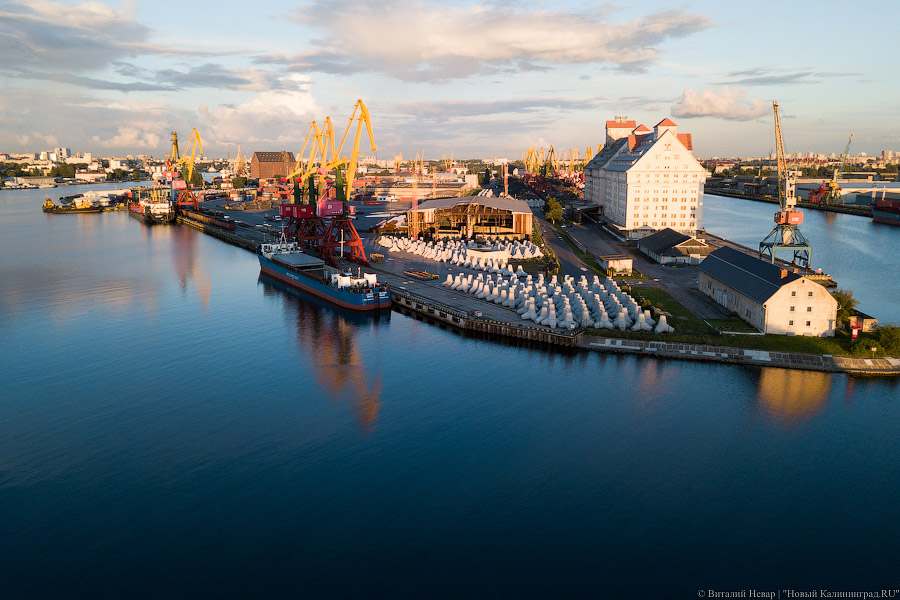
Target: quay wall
(471,321)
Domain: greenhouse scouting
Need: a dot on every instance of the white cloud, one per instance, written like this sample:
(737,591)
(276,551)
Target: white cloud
(22,140)
(131,137)
(50,140)
(724,104)
(415,41)
(278,116)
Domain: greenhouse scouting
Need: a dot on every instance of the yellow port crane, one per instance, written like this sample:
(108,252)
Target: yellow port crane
(323,156)
(174,154)
(194,144)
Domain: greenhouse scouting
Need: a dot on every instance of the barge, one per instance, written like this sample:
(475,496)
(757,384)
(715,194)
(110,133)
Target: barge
(287,263)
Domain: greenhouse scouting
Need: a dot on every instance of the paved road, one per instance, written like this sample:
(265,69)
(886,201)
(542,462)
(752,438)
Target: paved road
(680,282)
(569,263)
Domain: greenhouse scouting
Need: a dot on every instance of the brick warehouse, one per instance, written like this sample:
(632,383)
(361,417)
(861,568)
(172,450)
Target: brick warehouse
(271,164)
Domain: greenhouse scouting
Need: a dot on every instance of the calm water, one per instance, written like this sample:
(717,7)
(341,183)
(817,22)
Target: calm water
(173,426)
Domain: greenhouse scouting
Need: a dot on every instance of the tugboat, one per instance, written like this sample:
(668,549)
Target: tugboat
(155,210)
(287,263)
(78,205)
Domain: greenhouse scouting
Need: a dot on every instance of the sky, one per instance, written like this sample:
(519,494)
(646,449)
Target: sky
(472,79)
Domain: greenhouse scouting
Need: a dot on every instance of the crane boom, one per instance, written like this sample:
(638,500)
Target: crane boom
(785,194)
(786,234)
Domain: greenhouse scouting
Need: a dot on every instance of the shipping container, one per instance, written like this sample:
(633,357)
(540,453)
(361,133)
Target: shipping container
(297,211)
(330,208)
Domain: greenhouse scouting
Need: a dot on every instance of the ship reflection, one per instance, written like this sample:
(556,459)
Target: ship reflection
(792,396)
(328,336)
(186,267)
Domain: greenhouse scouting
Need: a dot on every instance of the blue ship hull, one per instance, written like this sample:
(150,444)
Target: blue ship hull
(372,299)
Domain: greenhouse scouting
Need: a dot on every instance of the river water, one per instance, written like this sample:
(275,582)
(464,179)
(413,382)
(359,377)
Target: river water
(173,426)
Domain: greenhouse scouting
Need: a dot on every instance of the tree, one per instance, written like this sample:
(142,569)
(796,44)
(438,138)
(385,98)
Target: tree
(196,179)
(889,337)
(553,211)
(238,182)
(846,305)
(486,178)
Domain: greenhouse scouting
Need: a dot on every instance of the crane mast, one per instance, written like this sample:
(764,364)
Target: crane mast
(786,236)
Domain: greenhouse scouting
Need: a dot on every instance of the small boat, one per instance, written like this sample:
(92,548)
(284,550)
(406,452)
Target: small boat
(287,263)
(74,207)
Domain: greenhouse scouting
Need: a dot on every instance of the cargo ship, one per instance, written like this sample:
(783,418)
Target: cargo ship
(155,210)
(886,210)
(286,262)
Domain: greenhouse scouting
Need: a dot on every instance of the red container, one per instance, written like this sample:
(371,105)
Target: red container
(298,211)
(351,210)
(330,208)
(179,184)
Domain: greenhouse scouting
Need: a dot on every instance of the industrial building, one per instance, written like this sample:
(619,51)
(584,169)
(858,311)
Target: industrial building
(472,217)
(669,247)
(644,181)
(770,298)
(265,165)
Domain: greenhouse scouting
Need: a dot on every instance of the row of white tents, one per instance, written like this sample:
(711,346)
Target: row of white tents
(600,304)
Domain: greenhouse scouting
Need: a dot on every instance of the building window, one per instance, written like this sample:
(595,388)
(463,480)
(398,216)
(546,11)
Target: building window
(809,309)
(792,309)
(810,294)
(793,292)
(791,323)
(807,323)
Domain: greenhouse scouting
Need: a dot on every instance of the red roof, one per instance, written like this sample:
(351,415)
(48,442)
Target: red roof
(666,123)
(685,138)
(621,124)
(642,129)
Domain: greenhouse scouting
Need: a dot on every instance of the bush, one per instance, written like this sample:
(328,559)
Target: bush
(889,338)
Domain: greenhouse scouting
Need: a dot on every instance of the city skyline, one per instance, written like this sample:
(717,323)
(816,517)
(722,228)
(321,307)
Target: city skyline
(472,79)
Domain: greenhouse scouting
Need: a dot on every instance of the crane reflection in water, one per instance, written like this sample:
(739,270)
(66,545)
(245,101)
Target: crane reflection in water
(186,267)
(327,335)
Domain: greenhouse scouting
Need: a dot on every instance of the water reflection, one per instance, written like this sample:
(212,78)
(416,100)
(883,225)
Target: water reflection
(186,267)
(792,396)
(328,336)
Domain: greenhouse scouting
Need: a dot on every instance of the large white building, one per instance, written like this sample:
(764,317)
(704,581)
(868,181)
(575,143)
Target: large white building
(645,181)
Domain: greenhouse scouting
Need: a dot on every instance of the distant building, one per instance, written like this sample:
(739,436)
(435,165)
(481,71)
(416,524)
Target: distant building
(670,247)
(85,175)
(264,165)
(771,298)
(644,181)
(618,263)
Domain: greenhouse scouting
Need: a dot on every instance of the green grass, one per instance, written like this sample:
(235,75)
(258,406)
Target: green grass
(734,324)
(690,329)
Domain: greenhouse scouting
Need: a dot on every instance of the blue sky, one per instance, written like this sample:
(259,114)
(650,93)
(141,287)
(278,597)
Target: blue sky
(475,79)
